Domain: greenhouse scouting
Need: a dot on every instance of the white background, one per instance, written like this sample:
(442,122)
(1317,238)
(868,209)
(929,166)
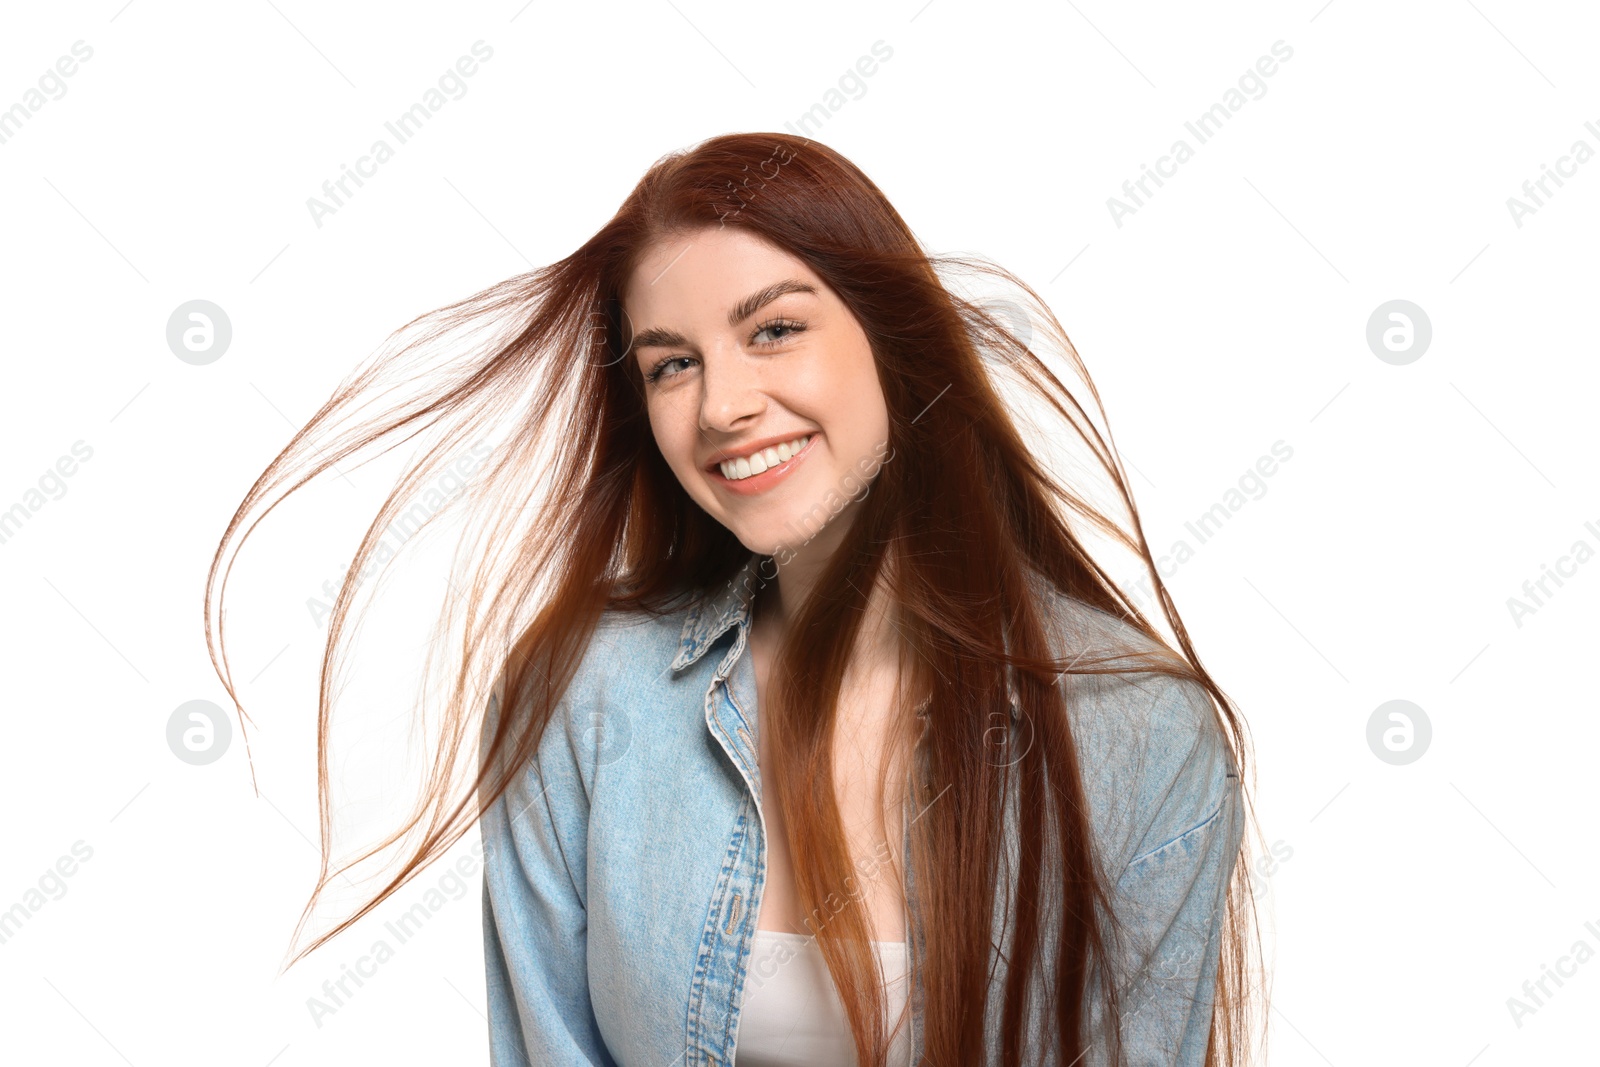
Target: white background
(1226,314)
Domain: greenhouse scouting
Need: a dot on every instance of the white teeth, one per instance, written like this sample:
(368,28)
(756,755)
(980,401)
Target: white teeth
(756,463)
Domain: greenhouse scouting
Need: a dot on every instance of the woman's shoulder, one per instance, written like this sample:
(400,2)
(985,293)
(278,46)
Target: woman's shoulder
(1152,752)
(627,653)
(623,653)
(1085,637)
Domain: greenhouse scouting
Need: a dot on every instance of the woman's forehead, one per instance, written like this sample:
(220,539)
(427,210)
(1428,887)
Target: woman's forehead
(712,268)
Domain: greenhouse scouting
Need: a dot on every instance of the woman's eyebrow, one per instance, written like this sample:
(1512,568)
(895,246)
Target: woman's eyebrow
(659,337)
(756,301)
(656,337)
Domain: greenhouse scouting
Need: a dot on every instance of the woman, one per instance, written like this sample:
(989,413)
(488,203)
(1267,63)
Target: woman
(829,742)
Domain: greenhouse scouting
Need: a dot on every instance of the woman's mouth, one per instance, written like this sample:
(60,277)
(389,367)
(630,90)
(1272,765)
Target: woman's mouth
(762,470)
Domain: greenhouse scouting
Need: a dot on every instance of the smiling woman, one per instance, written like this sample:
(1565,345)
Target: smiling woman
(759,399)
(809,730)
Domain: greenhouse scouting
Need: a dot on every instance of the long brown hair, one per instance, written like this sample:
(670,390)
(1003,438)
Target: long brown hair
(576,513)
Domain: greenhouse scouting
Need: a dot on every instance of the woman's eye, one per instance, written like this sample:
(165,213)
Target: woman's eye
(788,328)
(661,369)
(772,333)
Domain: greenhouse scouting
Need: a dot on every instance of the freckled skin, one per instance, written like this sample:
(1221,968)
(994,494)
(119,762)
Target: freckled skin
(731,390)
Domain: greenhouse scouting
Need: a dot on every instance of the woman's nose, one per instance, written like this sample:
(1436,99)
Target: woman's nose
(730,389)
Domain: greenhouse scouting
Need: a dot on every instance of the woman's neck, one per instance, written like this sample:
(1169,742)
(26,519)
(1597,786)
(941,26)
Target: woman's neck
(878,641)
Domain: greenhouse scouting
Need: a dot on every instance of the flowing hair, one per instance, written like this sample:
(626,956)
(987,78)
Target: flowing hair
(574,513)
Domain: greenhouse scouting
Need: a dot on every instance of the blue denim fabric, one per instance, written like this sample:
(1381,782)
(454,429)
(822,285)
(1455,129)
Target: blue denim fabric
(624,866)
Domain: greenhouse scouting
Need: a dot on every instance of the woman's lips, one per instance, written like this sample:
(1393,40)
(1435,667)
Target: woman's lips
(760,483)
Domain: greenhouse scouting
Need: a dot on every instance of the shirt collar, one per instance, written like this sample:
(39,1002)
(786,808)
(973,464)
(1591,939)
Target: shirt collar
(709,619)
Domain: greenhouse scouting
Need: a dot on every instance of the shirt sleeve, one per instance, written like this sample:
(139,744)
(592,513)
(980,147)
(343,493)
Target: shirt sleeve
(535,919)
(1170,896)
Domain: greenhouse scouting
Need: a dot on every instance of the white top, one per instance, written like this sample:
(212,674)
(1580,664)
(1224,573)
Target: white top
(792,1015)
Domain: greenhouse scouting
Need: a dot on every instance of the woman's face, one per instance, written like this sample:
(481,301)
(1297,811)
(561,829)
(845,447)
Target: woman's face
(745,353)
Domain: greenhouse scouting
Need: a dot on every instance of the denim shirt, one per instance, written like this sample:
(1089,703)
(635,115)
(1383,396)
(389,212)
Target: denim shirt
(624,866)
